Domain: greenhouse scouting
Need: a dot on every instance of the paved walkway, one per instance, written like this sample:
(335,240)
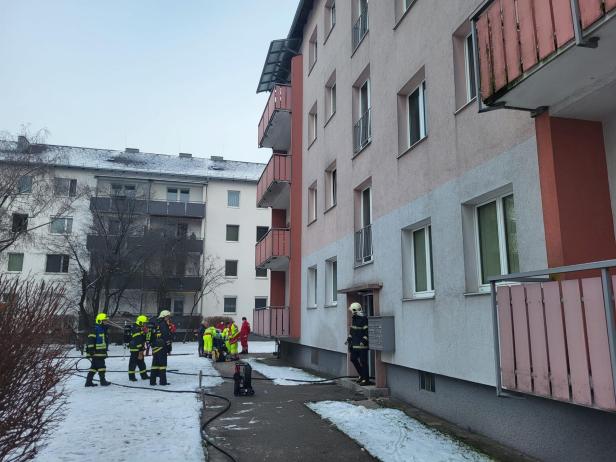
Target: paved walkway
(275,425)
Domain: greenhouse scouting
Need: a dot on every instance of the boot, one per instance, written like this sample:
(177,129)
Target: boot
(132,378)
(163,378)
(89,382)
(153,378)
(103,381)
(144,376)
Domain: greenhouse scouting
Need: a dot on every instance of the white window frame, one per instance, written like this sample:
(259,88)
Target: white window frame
(313,125)
(177,192)
(423,126)
(260,298)
(331,96)
(311,293)
(229,195)
(312,204)
(428,250)
(63,258)
(470,83)
(361,207)
(313,49)
(71,190)
(65,219)
(502,238)
(331,295)
(364,110)
(333,187)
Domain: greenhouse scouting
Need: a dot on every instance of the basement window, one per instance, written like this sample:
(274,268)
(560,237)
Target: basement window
(426,381)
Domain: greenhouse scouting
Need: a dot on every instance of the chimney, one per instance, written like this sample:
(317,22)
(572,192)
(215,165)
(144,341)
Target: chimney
(217,158)
(185,155)
(132,150)
(23,145)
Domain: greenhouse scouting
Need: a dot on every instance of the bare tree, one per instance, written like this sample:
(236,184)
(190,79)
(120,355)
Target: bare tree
(33,367)
(212,274)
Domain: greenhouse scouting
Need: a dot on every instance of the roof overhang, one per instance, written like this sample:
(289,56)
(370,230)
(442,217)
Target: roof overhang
(362,288)
(277,67)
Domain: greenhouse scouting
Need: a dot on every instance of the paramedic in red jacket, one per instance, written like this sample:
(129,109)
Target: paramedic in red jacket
(244,331)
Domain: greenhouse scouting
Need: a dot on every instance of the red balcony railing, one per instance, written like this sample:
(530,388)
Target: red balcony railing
(557,339)
(278,170)
(516,36)
(279,100)
(274,249)
(272,321)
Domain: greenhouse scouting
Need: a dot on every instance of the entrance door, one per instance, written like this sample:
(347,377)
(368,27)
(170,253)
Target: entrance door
(367,302)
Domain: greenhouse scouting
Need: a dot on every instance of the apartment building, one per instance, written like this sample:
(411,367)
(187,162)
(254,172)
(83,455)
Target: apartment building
(195,215)
(397,183)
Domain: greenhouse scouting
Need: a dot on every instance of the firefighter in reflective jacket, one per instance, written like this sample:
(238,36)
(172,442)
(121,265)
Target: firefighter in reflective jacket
(358,343)
(96,349)
(160,340)
(136,346)
(208,340)
(233,336)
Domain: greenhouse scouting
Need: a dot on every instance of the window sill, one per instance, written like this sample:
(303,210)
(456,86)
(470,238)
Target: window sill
(233,206)
(476,294)
(363,148)
(361,265)
(419,298)
(233,242)
(329,118)
(17,272)
(465,105)
(331,306)
(311,67)
(401,18)
(312,142)
(55,273)
(311,307)
(261,278)
(230,277)
(361,40)
(328,34)
(413,146)
(311,222)
(329,208)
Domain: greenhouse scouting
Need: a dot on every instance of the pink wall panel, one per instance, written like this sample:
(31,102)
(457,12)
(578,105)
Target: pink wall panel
(485,67)
(538,340)
(598,346)
(576,343)
(527,34)
(544,28)
(521,342)
(563,21)
(590,10)
(610,5)
(498,46)
(557,352)
(512,41)
(506,338)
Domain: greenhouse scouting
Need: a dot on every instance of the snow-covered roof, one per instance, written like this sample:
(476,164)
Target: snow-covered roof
(139,162)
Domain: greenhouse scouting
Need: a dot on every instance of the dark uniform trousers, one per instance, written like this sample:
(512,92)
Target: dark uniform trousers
(135,362)
(359,358)
(159,365)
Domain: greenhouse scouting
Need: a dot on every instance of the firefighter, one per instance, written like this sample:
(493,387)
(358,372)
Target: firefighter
(200,338)
(358,343)
(244,333)
(136,346)
(161,346)
(208,340)
(96,349)
(233,337)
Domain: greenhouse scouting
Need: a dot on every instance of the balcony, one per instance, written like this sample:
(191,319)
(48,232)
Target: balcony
(363,245)
(360,27)
(274,250)
(275,123)
(272,321)
(149,240)
(362,132)
(274,185)
(108,204)
(546,54)
(557,338)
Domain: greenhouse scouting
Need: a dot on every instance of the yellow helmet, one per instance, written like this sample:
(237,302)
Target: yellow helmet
(141,320)
(100,317)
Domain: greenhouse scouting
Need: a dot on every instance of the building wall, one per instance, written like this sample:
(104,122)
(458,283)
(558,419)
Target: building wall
(609,134)
(246,286)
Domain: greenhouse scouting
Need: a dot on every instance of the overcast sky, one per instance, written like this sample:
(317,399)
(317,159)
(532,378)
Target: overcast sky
(160,75)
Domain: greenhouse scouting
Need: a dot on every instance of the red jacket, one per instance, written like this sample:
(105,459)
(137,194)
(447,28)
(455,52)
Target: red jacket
(245,330)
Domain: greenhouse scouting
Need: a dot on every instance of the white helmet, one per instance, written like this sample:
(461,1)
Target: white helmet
(355,308)
(164,314)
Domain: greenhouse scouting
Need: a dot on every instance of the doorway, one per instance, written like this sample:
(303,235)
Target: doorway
(367,303)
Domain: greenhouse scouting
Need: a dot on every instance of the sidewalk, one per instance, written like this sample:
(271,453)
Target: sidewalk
(275,425)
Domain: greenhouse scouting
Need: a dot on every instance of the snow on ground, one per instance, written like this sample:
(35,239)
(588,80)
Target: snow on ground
(392,436)
(262,347)
(279,374)
(120,424)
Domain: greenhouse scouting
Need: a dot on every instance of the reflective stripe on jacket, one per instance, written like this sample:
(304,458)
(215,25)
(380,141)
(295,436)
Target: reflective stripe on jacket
(358,333)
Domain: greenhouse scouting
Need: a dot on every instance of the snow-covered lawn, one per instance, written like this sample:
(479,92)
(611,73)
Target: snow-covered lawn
(262,347)
(111,424)
(392,436)
(279,374)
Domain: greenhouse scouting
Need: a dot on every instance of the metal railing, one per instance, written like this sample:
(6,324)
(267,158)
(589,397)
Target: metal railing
(363,245)
(362,132)
(554,333)
(360,28)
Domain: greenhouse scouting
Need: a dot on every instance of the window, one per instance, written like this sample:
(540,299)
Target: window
(24,185)
(230,305)
(260,303)
(496,238)
(330,97)
(180,267)
(61,226)
(64,187)
(464,65)
(312,287)
(331,282)
(181,230)
(178,306)
(362,131)
(312,203)
(331,183)
(408,3)
(184,195)
(261,232)
(363,237)
(417,272)
(57,264)
(312,50)
(172,194)
(417,114)
(312,124)
(231,268)
(360,25)
(20,223)
(16,262)
(114,227)
(426,381)
(469,60)
(261,272)
(330,17)
(123,190)
(233,233)
(233,198)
